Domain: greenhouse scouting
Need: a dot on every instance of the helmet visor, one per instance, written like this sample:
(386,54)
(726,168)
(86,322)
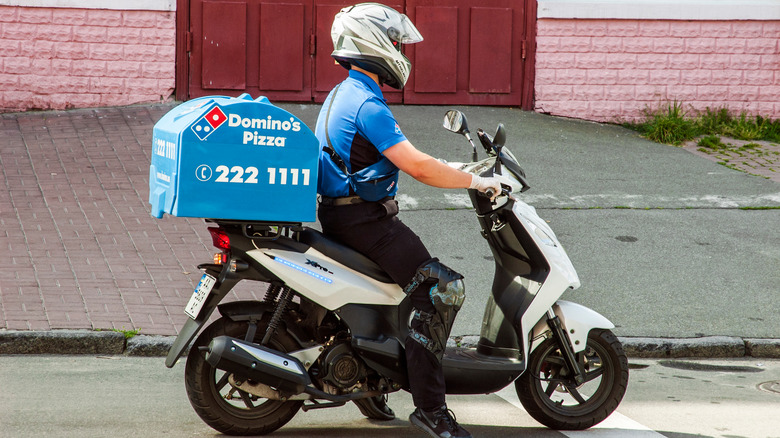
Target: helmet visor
(403,31)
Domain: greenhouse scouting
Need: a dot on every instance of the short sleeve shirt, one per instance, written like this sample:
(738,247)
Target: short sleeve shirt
(360,126)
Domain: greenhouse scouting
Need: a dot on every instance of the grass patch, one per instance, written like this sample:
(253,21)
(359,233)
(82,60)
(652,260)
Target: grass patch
(669,125)
(749,147)
(672,124)
(711,142)
(128,333)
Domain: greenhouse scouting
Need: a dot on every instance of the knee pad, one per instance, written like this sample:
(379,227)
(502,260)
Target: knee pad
(447,295)
(448,288)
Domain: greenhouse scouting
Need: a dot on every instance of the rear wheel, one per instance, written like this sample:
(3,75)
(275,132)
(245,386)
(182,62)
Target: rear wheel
(225,407)
(550,394)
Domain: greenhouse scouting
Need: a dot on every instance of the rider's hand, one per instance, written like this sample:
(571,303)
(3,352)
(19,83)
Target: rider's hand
(484,183)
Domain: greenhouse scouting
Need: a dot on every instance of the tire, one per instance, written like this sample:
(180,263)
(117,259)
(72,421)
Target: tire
(218,403)
(549,394)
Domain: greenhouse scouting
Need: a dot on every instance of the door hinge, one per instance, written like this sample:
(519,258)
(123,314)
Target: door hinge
(312,44)
(522,50)
(188,42)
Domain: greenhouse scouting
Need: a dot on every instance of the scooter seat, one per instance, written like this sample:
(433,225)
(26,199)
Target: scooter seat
(343,254)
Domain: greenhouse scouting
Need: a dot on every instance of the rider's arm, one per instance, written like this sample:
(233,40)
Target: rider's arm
(425,168)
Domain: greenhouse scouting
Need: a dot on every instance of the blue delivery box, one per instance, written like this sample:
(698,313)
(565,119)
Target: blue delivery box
(233,158)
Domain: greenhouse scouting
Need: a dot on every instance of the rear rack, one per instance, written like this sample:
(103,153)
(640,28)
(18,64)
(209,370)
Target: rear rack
(261,230)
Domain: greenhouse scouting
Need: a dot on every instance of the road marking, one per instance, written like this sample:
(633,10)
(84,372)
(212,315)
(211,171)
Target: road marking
(547,201)
(616,425)
(458,199)
(406,201)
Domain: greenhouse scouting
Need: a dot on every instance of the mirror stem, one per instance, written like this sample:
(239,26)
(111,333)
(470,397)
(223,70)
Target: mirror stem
(473,147)
(497,169)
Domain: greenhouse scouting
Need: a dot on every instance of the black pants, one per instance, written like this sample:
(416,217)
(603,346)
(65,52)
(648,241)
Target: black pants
(374,229)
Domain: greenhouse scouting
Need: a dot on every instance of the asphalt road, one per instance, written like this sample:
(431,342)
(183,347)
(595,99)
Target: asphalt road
(666,243)
(88,396)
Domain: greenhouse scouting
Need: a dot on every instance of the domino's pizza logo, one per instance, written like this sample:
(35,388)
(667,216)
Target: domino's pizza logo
(209,122)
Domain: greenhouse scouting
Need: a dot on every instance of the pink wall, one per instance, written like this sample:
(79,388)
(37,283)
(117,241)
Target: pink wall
(609,70)
(57,58)
(596,69)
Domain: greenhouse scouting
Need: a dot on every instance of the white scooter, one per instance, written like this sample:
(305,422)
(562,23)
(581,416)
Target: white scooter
(332,326)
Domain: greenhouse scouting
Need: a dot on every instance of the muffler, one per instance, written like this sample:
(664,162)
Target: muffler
(256,362)
(284,374)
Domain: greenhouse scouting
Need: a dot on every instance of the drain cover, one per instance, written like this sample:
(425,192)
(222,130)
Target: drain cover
(773,387)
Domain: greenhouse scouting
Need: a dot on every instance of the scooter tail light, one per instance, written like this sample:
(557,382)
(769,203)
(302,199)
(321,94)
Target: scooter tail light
(220,258)
(220,239)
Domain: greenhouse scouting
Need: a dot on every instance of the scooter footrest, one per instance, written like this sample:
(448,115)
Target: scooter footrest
(468,372)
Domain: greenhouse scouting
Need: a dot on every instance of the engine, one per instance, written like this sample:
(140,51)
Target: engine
(341,371)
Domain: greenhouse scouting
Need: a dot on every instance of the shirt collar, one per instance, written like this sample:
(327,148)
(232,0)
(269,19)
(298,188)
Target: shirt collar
(365,79)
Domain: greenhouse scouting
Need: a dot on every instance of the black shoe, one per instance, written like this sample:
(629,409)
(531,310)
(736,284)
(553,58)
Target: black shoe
(439,423)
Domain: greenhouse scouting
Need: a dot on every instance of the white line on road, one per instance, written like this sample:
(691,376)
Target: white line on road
(616,425)
(542,200)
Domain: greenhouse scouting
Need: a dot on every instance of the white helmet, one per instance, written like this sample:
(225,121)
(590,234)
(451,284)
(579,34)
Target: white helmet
(369,36)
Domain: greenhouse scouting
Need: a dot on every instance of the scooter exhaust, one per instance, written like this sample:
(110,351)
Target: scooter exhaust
(278,370)
(284,374)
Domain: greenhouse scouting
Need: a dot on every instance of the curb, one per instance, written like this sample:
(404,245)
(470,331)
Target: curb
(82,342)
(114,343)
(663,348)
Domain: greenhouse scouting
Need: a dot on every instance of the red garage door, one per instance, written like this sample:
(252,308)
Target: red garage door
(474,53)
(261,48)
(327,73)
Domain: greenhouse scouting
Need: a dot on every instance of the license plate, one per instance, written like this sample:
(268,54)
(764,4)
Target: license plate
(202,291)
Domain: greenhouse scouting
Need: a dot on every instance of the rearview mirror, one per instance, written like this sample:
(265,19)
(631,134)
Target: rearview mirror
(455,121)
(500,138)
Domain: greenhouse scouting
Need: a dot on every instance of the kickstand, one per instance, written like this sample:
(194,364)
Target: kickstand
(317,405)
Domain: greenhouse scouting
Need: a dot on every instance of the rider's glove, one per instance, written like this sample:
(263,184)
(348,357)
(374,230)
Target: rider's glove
(484,183)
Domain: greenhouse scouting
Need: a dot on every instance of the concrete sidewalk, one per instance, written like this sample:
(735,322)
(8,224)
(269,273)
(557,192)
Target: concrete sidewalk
(84,254)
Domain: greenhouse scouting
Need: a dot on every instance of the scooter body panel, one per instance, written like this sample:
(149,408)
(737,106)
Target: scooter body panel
(532,271)
(579,321)
(466,371)
(326,281)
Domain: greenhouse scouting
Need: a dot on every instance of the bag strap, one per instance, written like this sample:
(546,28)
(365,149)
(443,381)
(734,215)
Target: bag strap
(329,148)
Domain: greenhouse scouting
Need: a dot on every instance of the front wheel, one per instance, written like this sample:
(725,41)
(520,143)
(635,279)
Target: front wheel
(551,396)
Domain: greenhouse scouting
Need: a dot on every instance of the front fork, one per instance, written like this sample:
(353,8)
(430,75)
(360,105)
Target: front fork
(569,357)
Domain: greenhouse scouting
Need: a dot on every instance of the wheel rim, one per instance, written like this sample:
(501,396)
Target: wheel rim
(555,385)
(240,403)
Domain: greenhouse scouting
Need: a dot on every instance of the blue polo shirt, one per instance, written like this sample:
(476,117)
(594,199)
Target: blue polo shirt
(360,126)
